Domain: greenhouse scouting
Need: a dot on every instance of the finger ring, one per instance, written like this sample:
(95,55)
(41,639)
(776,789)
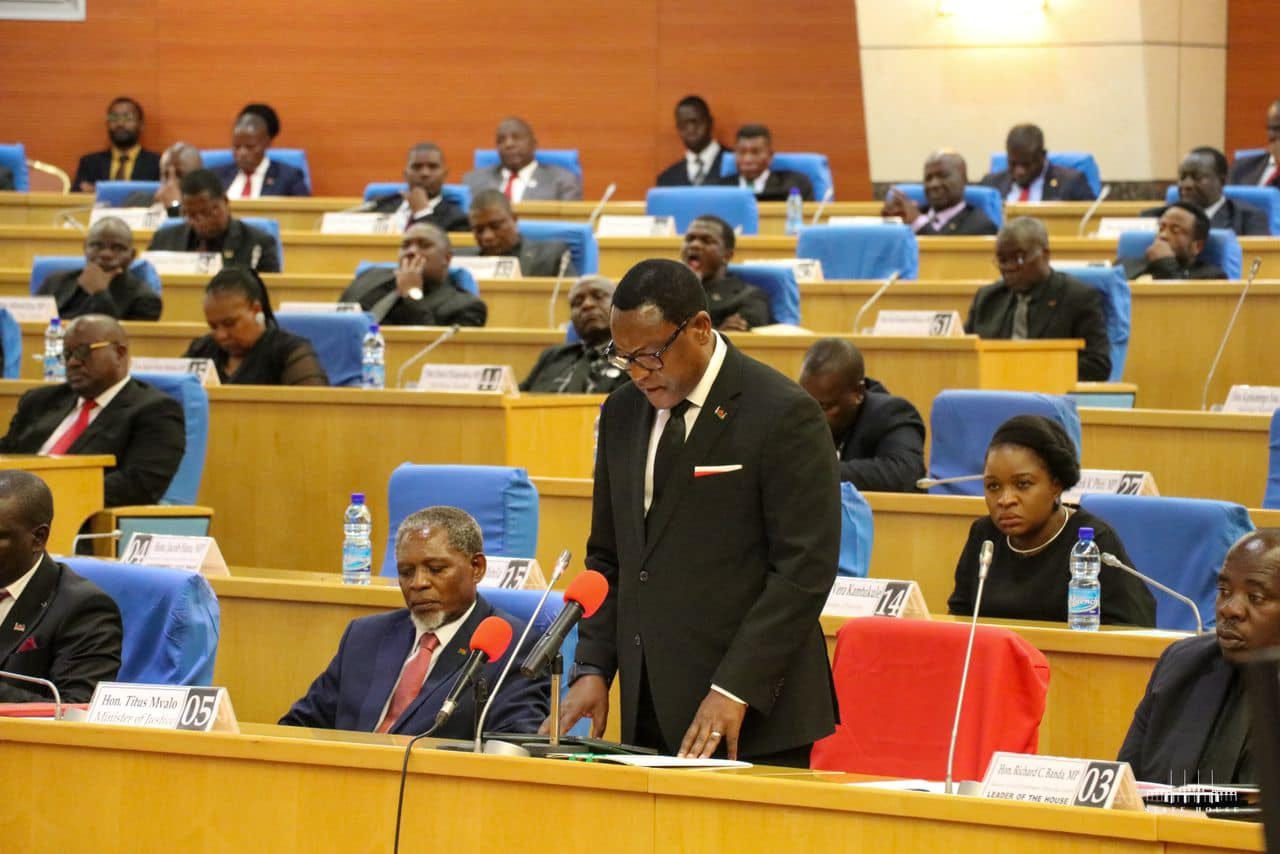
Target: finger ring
(715,734)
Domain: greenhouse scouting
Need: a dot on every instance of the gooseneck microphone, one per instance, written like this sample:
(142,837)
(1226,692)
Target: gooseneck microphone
(1111,560)
(927,482)
(582,598)
(565,257)
(826,197)
(1222,345)
(857,318)
(488,642)
(984,565)
(418,356)
(599,208)
(1092,209)
(36,680)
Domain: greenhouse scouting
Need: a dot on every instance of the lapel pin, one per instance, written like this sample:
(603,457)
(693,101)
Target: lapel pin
(1053,303)
(720,413)
(19,627)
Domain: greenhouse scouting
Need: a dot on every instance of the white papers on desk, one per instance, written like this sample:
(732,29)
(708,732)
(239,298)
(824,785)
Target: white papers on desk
(686,762)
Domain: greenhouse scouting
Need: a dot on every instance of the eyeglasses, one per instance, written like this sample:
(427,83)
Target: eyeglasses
(85,350)
(1015,263)
(649,361)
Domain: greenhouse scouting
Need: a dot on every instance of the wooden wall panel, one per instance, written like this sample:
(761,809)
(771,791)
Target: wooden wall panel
(1253,27)
(356,84)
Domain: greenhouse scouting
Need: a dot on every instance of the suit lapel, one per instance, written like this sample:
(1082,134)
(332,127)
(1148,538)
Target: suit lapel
(448,661)
(1188,732)
(104,421)
(392,650)
(1042,310)
(30,608)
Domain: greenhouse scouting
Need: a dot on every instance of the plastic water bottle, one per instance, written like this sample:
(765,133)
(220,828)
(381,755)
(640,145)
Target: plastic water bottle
(357,542)
(55,365)
(1084,593)
(373,359)
(795,211)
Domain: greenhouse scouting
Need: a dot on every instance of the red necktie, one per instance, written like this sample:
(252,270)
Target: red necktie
(506,191)
(415,673)
(73,432)
(246,192)
(1025,195)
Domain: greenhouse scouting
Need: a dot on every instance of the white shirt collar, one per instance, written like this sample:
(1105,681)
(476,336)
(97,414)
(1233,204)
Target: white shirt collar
(707,155)
(525,173)
(261,172)
(698,396)
(756,186)
(109,394)
(1215,207)
(15,589)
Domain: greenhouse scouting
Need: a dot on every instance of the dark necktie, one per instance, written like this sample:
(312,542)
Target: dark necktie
(122,166)
(1022,303)
(699,173)
(669,444)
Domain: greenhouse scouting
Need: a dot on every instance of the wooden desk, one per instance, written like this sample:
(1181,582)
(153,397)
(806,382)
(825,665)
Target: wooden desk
(76,484)
(1062,219)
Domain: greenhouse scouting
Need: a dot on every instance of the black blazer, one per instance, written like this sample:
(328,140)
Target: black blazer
(573,368)
(730,295)
(238,245)
(1249,170)
(96,167)
(969,221)
(126,298)
(62,628)
(1243,219)
(279,358)
(6,178)
(1061,307)
(778,185)
(728,585)
(142,426)
(884,449)
(1061,184)
(538,258)
(1169,268)
(444,305)
(281,179)
(677,174)
(447,215)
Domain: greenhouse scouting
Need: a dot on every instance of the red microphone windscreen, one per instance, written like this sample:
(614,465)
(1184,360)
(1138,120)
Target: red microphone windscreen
(588,590)
(492,637)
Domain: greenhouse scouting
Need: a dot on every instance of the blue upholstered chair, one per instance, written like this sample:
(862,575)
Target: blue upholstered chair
(295,157)
(581,240)
(986,199)
(962,423)
(1116,308)
(170,619)
(778,283)
(1266,199)
(734,205)
(42,266)
(1178,541)
(566,158)
(460,276)
(113,193)
(813,166)
(1081,161)
(502,499)
(1222,248)
(459,194)
(187,390)
(338,340)
(873,251)
(856,532)
(13,156)
(11,340)
(1270,499)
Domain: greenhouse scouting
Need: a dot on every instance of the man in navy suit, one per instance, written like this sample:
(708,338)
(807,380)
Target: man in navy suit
(1193,722)
(379,680)
(1030,177)
(254,174)
(1260,170)
(703,155)
(125,159)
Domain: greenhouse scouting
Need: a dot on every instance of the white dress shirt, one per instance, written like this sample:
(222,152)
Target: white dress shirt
(65,424)
(404,214)
(236,190)
(702,161)
(524,180)
(1213,209)
(15,590)
(756,186)
(1267,170)
(444,636)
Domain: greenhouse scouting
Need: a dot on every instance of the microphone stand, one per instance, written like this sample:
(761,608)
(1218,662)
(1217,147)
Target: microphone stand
(929,482)
(1111,560)
(44,683)
(565,257)
(557,669)
(1231,324)
(444,336)
(826,197)
(857,318)
(599,208)
(1088,214)
(984,564)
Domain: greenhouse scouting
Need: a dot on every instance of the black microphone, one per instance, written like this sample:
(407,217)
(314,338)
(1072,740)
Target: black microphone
(488,642)
(443,337)
(1111,560)
(581,599)
(1222,345)
(984,564)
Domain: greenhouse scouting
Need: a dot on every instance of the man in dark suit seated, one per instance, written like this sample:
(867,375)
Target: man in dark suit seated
(420,292)
(125,159)
(393,671)
(177,162)
(1260,170)
(1032,300)
(56,625)
(753,157)
(735,306)
(210,227)
(518,175)
(703,156)
(948,214)
(424,201)
(104,284)
(493,223)
(1030,177)
(100,409)
(254,174)
(1193,721)
(6,178)
(1200,179)
(581,367)
(879,438)
(1175,253)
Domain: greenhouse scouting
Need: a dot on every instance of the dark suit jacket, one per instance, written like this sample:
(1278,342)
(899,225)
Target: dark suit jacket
(446,215)
(1176,714)
(126,298)
(444,305)
(727,587)
(1248,170)
(1169,268)
(778,185)
(6,178)
(548,183)
(1243,219)
(237,244)
(730,295)
(352,691)
(96,167)
(538,258)
(142,426)
(677,174)
(281,179)
(969,221)
(884,449)
(1061,184)
(573,368)
(71,633)
(1061,307)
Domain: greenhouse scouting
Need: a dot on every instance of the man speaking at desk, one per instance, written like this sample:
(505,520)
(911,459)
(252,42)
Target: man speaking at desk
(720,549)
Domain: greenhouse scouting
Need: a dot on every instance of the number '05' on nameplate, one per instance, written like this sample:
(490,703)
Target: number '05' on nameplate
(194,708)
(1059,780)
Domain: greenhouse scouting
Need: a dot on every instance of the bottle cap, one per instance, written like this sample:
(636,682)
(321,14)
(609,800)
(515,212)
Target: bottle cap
(373,327)
(357,498)
(55,321)
(1086,533)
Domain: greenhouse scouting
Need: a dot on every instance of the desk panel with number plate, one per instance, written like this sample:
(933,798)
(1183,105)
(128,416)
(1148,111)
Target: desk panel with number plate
(76,484)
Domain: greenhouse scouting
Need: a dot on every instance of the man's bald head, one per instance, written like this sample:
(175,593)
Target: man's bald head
(945,175)
(1248,603)
(109,245)
(97,353)
(30,496)
(179,159)
(26,512)
(834,374)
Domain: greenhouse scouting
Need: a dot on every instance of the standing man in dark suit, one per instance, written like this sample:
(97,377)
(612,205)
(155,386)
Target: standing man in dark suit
(420,292)
(1032,300)
(393,671)
(54,624)
(424,200)
(254,174)
(210,227)
(1176,251)
(1200,179)
(879,438)
(703,156)
(125,159)
(720,550)
(734,305)
(753,156)
(518,175)
(948,214)
(100,409)
(1193,722)
(493,223)
(104,284)
(1260,170)
(1030,177)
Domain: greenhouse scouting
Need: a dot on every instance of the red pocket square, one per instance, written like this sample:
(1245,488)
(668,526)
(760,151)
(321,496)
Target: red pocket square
(27,645)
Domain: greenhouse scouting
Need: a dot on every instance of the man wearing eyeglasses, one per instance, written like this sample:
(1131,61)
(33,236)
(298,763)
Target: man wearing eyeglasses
(716,520)
(100,409)
(125,159)
(1032,300)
